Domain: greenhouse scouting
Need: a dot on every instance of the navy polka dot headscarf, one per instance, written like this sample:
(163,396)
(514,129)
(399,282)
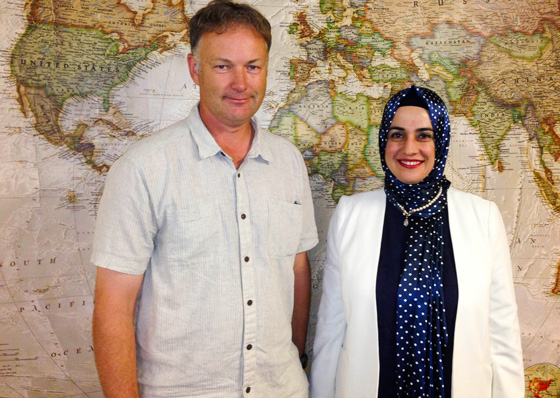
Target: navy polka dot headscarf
(415,195)
(421,329)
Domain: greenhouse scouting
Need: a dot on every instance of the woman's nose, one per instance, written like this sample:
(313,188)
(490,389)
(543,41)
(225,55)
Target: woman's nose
(410,145)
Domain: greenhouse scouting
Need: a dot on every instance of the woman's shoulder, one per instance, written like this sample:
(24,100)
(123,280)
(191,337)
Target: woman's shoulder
(471,206)
(363,198)
(360,205)
(354,210)
(456,195)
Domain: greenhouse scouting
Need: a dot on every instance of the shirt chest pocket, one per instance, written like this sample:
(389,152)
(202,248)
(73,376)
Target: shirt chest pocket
(284,228)
(192,236)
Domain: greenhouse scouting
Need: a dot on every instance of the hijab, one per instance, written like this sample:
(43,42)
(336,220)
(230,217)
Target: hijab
(421,329)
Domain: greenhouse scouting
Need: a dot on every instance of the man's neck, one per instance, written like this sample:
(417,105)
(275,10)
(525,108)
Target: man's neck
(234,141)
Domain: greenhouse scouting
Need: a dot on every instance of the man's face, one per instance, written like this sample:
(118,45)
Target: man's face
(230,69)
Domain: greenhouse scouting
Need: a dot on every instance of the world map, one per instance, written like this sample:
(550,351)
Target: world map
(81,81)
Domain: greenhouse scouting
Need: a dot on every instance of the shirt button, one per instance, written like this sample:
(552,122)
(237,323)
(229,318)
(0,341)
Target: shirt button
(249,346)
(248,390)
(246,259)
(250,302)
(243,216)
(238,175)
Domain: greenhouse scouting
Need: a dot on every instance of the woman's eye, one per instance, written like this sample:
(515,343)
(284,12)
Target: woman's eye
(395,135)
(425,136)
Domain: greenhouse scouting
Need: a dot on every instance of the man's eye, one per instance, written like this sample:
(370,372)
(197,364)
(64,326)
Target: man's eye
(221,67)
(253,68)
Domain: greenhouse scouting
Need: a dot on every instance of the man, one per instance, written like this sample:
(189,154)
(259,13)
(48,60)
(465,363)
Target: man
(203,282)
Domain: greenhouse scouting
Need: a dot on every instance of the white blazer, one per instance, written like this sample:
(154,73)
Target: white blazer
(487,358)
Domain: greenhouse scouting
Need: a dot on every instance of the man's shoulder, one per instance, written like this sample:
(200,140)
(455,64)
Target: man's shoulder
(278,143)
(159,141)
(280,148)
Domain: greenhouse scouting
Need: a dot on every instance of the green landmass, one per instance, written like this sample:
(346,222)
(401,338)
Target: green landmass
(358,17)
(286,127)
(306,137)
(517,114)
(357,140)
(54,63)
(325,6)
(365,27)
(296,131)
(327,163)
(293,28)
(331,35)
(547,190)
(355,112)
(457,88)
(492,123)
(520,45)
(69,62)
(335,7)
(339,191)
(447,63)
(291,71)
(377,42)
(547,142)
(385,73)
(458,43)
(371,151)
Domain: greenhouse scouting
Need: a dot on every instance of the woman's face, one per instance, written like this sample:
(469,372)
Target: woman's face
(411,152)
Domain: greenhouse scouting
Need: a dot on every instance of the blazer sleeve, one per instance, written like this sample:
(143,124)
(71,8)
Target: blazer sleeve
(505,340)
(331,323)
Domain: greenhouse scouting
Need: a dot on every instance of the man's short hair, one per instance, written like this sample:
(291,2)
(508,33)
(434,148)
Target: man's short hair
(219,15)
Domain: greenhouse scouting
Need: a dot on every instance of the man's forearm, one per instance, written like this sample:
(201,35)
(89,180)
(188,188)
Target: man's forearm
(115,356)
(302,298)
(113,332)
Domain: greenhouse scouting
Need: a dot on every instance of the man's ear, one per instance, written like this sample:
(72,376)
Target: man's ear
(193,68)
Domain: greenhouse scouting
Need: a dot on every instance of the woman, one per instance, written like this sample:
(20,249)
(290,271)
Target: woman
(418,296)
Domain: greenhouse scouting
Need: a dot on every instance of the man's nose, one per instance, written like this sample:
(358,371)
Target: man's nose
(239,82)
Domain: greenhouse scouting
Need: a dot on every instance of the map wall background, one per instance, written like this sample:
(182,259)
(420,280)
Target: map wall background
(81,81)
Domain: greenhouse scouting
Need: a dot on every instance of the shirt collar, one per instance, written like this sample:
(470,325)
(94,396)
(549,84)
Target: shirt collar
(208,147)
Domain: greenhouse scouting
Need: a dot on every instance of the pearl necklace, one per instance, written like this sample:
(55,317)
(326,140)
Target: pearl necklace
(409,213)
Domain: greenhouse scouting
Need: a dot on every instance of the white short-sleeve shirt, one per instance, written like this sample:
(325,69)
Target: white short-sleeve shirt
(216,245)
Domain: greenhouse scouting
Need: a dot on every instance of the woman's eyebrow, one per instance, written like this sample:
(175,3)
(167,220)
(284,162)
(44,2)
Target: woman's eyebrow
(418,129)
